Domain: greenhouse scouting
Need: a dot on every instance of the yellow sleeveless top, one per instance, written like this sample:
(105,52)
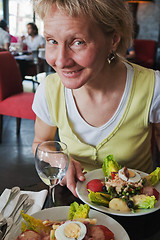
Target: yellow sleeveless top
(130,141)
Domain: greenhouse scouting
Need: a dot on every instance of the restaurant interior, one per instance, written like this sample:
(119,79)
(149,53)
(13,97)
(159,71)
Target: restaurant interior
(17,166)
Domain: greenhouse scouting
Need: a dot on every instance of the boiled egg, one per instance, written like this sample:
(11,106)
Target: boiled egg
(71,230)
(133,177)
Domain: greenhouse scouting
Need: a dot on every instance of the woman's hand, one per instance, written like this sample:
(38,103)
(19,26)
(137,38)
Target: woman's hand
(74,173)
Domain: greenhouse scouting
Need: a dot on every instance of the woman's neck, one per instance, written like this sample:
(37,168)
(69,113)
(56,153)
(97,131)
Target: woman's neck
(112,79)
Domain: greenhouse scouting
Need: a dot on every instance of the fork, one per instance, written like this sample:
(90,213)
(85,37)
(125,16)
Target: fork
(11,224)
(13,193)
(26,206)
(10,218)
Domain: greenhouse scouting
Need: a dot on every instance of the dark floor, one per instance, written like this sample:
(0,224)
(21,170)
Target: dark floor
(16,157)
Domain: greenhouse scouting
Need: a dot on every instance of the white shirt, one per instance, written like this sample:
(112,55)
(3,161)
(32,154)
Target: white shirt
(34,43)
(87,133)
(4,37)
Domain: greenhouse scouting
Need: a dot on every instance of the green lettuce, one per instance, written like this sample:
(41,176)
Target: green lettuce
(33,224)
(109,165)
(147,202)
(155,176)
(78,211)
(99,198)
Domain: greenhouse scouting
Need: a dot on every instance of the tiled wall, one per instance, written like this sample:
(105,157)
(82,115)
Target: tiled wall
(148,17)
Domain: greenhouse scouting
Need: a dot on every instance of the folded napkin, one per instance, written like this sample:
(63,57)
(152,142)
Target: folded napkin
(38,197)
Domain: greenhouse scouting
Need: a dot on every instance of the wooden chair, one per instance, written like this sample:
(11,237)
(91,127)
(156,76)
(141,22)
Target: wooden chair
(13,101)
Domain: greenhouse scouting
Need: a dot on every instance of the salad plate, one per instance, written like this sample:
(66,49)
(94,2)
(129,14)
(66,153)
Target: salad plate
(98,174)
(61,213)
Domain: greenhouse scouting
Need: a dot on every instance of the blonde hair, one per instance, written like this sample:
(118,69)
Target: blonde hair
(111,15)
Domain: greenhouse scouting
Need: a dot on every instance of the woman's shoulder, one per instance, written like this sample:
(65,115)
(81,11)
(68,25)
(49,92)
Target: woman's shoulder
(53,82)
(53,77)
(142,73)
(39,36)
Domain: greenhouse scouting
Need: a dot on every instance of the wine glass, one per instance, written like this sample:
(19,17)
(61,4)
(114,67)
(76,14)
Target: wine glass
(51,162)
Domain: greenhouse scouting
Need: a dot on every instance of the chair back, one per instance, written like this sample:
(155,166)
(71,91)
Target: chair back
(10,77)
(145,51)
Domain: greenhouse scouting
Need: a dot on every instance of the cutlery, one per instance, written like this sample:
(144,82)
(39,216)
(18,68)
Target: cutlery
(10,219)
(13,193)
(21,200)
(11,224)
(26,206)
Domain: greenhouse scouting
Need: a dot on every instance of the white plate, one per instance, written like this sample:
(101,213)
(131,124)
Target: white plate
(61,213)
(98,174)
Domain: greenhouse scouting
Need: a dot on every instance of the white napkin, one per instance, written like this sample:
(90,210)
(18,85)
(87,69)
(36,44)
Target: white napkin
(38,197)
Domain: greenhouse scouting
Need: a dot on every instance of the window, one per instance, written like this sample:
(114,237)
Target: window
(21,13)
(1,10)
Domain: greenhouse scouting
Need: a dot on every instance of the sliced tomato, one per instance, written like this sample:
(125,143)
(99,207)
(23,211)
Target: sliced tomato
(113,174)
(95,185)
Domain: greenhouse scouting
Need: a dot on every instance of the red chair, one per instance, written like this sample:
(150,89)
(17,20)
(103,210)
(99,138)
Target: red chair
(13,101)
(145,51)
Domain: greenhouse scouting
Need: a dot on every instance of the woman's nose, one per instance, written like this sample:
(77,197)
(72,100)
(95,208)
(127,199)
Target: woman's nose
(63,57)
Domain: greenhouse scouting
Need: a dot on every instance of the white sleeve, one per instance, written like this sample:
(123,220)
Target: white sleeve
(41,40)
(40,106)
(6,38)
(154,116)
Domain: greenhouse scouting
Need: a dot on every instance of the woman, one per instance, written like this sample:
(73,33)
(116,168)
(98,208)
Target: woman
(95,98)
(33,41)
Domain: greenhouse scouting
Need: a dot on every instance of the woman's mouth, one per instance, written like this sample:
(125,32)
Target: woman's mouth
(71,74)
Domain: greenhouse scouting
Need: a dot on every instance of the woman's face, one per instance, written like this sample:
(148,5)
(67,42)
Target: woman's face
(76,48)
(29,29)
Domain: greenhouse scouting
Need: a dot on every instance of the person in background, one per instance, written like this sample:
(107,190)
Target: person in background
(33,41)
(95,98)
(5,38)
(30,46)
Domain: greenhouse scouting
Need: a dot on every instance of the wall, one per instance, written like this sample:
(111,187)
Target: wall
(148,18)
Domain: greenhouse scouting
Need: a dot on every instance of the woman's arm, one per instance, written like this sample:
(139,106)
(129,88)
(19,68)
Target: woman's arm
(6,46)
(43,132)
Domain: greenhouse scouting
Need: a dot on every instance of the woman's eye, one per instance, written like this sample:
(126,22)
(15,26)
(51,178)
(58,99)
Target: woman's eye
(52,41)
(79,43)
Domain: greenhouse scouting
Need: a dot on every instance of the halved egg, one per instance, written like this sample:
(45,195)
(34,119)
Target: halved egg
(71,230)
(134,176)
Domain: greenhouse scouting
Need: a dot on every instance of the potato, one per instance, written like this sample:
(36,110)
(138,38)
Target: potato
(119,205)
(137,199)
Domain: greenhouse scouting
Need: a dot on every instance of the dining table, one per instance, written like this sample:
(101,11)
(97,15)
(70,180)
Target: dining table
(145,227)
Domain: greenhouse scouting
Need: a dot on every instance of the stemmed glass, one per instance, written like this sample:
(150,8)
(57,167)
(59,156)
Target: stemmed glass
(51,162)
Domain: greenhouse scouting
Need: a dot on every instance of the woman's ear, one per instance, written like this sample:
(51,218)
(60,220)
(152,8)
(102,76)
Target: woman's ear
(116,38)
